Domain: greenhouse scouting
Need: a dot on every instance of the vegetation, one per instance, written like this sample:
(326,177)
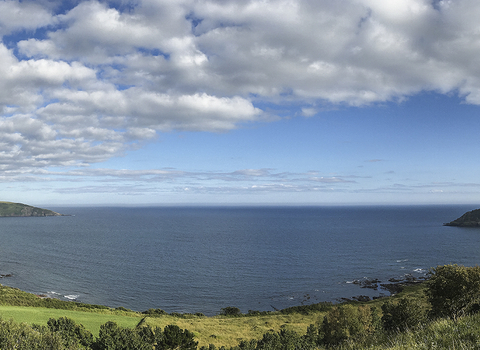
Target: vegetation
(469,219)
(16,297)
(403,314)
(439,314)
(453,290)
(19,209)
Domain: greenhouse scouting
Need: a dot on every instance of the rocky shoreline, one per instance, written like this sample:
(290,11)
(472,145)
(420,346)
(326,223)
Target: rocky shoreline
(395,286)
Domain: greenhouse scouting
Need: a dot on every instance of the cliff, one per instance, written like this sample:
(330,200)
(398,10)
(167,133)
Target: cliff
(469,219)
(18,209)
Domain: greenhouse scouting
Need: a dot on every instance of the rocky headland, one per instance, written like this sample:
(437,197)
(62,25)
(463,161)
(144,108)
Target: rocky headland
(9,209)
(469,219)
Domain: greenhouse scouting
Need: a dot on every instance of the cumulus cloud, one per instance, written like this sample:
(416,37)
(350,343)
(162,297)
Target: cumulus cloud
(94,78)
(15,15)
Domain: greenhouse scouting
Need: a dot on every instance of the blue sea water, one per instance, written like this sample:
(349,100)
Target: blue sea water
(202,259)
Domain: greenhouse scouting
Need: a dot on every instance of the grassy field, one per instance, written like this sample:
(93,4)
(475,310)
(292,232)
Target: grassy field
(463,333)
(229,331)
(91,320)
(218,330)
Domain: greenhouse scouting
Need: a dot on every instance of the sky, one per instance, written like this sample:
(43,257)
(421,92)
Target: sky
(279,102)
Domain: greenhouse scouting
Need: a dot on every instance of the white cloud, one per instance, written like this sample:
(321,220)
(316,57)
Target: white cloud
(95,79)
(16,15)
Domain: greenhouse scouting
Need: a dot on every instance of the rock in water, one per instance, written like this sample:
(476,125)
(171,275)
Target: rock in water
(469,219)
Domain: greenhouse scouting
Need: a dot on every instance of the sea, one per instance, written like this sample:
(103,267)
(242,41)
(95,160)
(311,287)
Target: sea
(202,259)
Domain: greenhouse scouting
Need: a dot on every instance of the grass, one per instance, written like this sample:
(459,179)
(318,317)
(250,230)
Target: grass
(441,334)
(218,330)
(229,331)
(91,320)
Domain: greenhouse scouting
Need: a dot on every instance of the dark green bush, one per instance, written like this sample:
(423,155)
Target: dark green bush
(70,332)
(14,336)
(154,312)
(113,337)
(348,322)
(231,311)
(175,338)
(453,290)
(406,313)
(306,309)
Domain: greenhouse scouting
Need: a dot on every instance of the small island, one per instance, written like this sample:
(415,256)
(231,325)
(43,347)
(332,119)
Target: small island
(469,219)
(9,209)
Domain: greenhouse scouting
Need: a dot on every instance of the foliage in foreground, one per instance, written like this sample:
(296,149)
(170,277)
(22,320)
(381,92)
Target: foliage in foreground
(453,290)
(65,334)
(463,333)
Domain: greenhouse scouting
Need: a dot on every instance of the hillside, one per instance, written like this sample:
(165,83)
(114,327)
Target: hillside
(9,209)
(469,219)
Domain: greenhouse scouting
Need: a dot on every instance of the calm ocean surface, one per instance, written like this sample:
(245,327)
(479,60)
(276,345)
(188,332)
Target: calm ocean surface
(202,259)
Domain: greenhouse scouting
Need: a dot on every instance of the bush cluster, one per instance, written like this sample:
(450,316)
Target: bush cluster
(64,333)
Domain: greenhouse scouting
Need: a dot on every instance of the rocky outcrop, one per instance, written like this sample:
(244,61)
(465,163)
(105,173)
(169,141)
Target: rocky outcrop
(9,209)
(469,219)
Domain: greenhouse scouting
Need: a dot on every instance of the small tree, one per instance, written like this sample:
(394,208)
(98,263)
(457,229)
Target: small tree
(231,311)
(453,290)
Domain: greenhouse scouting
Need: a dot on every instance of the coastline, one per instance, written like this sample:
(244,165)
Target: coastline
(393,287)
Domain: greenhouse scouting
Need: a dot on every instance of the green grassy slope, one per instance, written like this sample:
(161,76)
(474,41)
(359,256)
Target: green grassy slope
(464,333)
(218,330)
(19,209)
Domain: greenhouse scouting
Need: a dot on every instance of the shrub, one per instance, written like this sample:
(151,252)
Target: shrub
(405,314)
(175,338)
(231,311)
(453,290)
(111,336)
(307,309)
(70,332)
(348,323)
(154,312)
(283,340)
(15,336)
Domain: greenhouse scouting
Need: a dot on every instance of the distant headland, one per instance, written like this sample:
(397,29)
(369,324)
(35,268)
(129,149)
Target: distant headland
(469,219)
(9,209)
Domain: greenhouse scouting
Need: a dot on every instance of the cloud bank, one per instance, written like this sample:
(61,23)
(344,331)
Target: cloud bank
(84,81)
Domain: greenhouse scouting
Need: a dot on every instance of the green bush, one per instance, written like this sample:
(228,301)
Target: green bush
(406,313)
(307,309)
(175,338)
(348,323)
(113,337)
(23,337)
(453,290)
(231,311)
(154,312)
(70,332)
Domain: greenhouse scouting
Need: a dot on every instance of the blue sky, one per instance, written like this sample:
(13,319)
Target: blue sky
(214,102)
